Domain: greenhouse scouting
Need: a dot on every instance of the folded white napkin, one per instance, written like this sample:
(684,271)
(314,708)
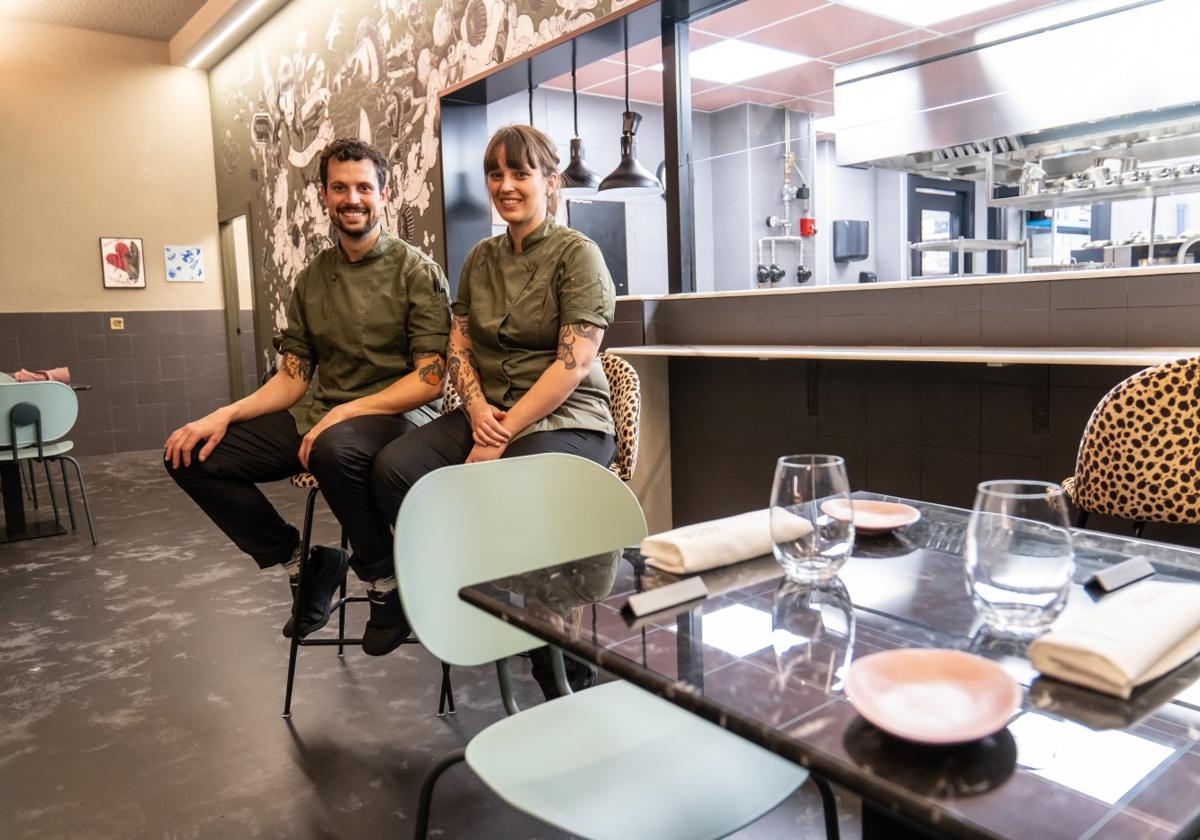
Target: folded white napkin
(720,542)
(1129,638)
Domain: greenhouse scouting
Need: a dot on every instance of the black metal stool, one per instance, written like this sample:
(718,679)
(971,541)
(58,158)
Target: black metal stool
(307,481)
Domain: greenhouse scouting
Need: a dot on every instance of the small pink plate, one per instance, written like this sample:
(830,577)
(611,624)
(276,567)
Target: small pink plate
(874,517)
(933,696)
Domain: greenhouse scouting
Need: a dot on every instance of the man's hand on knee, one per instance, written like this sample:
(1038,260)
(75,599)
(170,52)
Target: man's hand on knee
(210,428)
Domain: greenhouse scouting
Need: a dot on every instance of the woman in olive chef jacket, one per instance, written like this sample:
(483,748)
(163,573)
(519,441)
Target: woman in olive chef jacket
(533,304)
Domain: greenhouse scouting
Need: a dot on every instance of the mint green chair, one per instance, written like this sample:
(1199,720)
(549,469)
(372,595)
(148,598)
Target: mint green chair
(613,761)
(34,419)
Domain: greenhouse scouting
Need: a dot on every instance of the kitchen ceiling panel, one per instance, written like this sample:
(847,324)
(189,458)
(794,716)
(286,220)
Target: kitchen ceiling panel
(829,29)
(884,45)
(723,97)
(644,86)
(813,106)
(801,80)
(595,73)
(753,14)
(989,15)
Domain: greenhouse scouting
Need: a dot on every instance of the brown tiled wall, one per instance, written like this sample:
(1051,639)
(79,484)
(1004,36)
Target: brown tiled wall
(162,370)
(922,431)
(1146,311)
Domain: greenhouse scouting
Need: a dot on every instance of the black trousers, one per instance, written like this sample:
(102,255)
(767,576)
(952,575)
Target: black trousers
(265,449)
(447,440)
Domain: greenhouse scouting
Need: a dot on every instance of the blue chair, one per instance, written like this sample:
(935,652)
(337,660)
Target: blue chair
(34,419)
(579,762)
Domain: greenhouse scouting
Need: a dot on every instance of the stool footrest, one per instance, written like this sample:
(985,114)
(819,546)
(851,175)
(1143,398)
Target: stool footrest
(328,642)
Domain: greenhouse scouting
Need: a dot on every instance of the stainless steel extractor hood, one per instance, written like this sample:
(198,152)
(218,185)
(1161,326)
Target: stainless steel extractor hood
(1101,79)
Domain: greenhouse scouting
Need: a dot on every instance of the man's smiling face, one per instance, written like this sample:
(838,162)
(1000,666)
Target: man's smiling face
(353,196)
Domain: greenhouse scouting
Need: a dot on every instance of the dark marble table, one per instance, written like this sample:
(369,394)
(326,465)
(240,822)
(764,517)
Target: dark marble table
(765,659)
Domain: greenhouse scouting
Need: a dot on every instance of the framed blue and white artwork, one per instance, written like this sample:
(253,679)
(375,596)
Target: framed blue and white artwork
(184,263)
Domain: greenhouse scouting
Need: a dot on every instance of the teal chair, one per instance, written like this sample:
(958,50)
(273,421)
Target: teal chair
(34,419)
(613,761)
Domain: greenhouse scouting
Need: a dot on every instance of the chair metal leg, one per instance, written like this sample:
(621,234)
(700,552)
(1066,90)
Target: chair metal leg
(1081,520)
(87,508)
(342,604)
(32,484)
(447,696)
(27,482)
(50,490)
(506,692)
(62,466)
(560,671)
(426,799)
(828,806)
(1138,528)
(305,537)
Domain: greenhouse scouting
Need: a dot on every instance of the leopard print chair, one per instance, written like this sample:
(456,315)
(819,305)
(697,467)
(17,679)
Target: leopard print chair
(1139,458)
(626,405)
(307,481)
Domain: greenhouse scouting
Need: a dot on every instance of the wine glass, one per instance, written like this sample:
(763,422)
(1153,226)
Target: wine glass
(812,522)
(1019,559)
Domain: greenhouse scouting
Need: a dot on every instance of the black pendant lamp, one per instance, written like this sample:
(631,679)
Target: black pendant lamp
(630,178)
(578,179)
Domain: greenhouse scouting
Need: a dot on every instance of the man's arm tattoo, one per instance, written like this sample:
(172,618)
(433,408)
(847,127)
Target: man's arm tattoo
(459,324)
(430,368)
(296,368)
(588,331)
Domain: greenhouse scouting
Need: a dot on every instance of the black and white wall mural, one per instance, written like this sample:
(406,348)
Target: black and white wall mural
(372,69)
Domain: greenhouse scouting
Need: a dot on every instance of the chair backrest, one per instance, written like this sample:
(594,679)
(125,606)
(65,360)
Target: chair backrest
(467,524)
(56,404)
(626,404)
(451,401)
(1139,457)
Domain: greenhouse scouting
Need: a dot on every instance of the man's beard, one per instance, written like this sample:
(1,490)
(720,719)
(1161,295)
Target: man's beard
(370,223)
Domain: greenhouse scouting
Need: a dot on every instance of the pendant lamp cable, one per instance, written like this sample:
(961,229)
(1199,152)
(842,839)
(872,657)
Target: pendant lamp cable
(625,32)
(529,70)
(574,93)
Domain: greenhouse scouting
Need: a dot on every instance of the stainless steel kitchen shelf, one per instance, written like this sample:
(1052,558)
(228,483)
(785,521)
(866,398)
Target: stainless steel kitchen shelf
(962,246)
(1050,199)
(969,245)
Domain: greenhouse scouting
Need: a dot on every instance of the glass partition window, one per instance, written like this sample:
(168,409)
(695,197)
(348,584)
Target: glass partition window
(631,232)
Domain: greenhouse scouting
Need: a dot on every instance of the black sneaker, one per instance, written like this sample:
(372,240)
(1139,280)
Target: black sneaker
(324,573)
(580,675)
(388,627)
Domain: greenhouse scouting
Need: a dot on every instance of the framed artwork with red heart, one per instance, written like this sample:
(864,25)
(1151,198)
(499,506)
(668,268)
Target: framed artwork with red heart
(123,261)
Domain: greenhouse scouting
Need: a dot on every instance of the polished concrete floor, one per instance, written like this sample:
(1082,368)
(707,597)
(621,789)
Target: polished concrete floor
(141,684)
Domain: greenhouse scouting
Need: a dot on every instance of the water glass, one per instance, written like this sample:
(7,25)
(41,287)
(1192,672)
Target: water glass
(811,538)
(1019,559)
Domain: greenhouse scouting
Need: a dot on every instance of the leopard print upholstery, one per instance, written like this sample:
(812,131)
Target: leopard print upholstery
(1139,457)
(451,401)
(305,481)
(626,405)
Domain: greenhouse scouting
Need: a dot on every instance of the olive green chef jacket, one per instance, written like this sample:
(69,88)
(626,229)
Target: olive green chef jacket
(361,322)
(515,304)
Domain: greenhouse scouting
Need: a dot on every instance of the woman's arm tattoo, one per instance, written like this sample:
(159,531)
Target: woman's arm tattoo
(566,341)
(463,375)
(296,368)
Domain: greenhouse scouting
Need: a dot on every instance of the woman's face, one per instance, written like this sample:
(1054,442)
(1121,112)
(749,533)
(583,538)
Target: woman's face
(519,194)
